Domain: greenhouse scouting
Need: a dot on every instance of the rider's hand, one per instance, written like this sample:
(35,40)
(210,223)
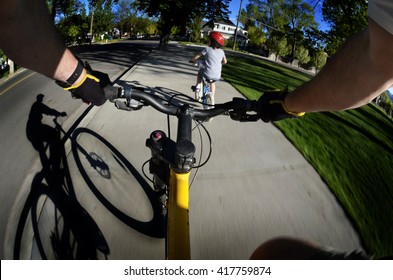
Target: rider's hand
(90,89)
(272,108)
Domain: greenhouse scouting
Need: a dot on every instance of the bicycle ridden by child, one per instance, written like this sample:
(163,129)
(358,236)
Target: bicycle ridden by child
(214,58)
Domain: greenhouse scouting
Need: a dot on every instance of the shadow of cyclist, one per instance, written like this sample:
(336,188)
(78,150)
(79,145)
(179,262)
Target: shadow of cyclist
(73,232)
(40,134)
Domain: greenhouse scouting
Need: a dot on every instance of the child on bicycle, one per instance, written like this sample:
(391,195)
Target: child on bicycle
(214,58)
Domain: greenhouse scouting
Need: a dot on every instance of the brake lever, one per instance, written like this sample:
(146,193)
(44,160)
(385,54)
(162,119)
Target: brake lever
(129,105)
(134,104)
(124,92)
(121,105)
(243,117)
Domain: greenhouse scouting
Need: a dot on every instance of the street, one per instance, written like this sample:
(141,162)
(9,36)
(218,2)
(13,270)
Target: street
(256,185)
(19,93)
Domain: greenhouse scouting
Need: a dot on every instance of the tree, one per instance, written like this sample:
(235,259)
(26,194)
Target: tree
(302,55)
(63,8)
(122,12)
(318,59)
(256,36)
(289,18)
(300,16)
(70,19)
(74,29)
(265,14)
(103,15)
(385,103)
(146,26)
(345,19)
(177,14)
(126,17)
(195,29)
(277,44)
(264,21)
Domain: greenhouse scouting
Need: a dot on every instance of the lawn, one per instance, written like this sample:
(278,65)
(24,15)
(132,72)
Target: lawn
(351,150)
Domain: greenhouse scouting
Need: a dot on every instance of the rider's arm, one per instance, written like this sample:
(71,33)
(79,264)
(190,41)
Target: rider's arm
(28,37)
(358,73)
(196,57)
(224,60)
(50,112)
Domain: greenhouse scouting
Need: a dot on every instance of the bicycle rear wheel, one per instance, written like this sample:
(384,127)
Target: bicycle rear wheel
(63,229)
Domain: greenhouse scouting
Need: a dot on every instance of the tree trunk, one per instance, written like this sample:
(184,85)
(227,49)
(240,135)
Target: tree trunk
(12,67)
(163,42)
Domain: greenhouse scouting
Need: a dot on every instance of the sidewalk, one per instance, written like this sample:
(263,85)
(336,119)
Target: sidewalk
(256,185)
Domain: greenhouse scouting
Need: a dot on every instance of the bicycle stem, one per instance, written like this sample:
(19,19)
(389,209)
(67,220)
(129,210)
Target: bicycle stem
(184,124)
(185,149)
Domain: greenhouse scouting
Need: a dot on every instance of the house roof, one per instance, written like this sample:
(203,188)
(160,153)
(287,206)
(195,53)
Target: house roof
(207,29)
(226,22)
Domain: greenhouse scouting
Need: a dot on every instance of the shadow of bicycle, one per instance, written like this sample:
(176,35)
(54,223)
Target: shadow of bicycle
(117,184)
(52,222)
(62,227)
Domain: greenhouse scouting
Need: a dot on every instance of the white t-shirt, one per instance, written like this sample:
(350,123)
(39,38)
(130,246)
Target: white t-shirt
(213,59)
(381,11)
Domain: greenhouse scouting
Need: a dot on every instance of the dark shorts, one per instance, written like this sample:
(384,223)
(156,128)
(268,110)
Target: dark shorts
(208,79)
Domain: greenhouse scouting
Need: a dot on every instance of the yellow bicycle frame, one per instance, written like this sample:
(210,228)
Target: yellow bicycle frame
(178,232)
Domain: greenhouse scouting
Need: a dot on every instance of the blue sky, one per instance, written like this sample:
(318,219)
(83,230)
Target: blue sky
(234,8)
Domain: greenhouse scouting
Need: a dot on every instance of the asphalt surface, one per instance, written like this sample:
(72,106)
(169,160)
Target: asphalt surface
(17,95)
(256,185)
(16,152)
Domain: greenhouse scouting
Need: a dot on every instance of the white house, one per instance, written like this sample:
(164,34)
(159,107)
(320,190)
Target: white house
(227,29)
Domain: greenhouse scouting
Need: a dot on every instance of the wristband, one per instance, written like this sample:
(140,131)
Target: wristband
(74,76)
(281,102)
(82,81)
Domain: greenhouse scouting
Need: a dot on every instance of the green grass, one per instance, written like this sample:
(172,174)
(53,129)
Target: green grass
(351,150)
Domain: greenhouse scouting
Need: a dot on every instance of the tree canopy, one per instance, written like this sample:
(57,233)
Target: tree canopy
(289,27)
(345,19)
(284,23)
(178,14)
(286,28)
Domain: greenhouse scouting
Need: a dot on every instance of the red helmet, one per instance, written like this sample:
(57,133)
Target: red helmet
(217,37)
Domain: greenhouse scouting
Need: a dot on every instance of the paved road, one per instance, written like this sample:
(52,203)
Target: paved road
(256,185)
(17,95)
(16,152)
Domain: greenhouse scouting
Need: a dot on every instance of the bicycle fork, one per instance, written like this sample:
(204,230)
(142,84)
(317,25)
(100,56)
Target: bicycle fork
(171,165)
